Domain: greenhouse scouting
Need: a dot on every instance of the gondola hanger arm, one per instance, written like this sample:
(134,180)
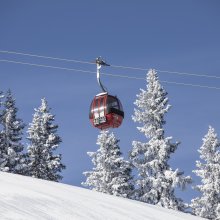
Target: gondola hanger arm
(99,63)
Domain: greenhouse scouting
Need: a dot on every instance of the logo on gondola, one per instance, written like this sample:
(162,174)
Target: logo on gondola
(99,120)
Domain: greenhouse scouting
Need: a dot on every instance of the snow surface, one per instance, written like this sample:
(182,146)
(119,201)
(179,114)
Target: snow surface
(28,198)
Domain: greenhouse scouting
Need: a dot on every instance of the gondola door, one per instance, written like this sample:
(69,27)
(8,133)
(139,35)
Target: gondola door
(99,110)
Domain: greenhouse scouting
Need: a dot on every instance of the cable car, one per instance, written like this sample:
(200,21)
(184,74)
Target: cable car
(106,111)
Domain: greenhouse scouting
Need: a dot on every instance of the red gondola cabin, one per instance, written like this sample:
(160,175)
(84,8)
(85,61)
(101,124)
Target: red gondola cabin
(106,111)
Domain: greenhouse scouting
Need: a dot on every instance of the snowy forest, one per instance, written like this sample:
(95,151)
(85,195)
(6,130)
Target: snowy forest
(145,176)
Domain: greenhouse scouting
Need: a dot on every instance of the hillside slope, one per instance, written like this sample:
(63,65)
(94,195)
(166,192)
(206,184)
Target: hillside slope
(28,198)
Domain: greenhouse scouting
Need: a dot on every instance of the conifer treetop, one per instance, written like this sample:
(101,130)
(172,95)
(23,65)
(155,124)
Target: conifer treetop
(111,173)
(43,137)
(208,169)
(156,181)
(152,105)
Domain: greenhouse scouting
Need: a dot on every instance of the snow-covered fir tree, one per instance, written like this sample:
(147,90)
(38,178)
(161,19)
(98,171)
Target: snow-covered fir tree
(208,204)
(156,181)
(1,102)
(111,173)
(44,141)
(1,97)
(11,149)
(1,132)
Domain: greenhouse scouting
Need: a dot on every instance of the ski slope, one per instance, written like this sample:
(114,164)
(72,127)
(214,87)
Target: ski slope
(28,198)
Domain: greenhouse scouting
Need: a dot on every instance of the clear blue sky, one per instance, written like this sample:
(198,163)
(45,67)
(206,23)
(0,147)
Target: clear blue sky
(167,35)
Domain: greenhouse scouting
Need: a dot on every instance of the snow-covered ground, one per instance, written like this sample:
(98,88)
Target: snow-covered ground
(28,198)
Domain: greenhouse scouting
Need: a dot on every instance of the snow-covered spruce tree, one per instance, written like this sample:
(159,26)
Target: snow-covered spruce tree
(11,157)
(208,204)
(111,173)
(156,181)
(42,163)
